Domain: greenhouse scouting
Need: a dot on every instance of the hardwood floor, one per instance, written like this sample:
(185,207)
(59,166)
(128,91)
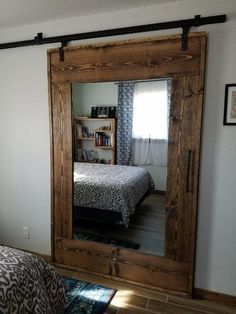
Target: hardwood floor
(146,228)
(131,299)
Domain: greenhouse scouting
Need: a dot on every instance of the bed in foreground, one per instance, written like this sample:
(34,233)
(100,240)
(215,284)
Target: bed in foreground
(111,187)
(28,284)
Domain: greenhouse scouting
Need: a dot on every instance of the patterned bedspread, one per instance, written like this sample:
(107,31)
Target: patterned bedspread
(28,284)
(111,187)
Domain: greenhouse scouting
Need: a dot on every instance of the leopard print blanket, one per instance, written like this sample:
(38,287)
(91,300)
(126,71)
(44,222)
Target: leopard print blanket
(28,284)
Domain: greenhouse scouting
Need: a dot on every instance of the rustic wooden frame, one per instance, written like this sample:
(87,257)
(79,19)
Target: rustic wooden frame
(127,60)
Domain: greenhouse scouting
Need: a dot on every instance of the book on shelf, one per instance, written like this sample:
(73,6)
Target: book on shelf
(88,155)
(79,156)
(102,140)
(79,130)
(84,155)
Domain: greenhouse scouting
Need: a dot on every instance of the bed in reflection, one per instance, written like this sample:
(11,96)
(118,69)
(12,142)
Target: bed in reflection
(28,284)
(113,190)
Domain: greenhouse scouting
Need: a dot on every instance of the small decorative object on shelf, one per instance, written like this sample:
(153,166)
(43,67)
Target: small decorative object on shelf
(94,112)
(102,112)
(112,112)
(84,131)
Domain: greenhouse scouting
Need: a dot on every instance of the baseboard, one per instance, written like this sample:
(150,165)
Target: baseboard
(214,296)
(47,258)
(159,192)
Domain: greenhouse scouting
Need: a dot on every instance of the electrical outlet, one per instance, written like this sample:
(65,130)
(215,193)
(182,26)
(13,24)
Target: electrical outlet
(26,232)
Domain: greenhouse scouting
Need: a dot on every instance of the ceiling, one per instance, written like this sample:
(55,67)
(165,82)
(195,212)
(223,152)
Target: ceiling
(22,12)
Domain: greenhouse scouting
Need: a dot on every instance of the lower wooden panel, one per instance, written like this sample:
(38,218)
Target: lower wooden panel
(124,264)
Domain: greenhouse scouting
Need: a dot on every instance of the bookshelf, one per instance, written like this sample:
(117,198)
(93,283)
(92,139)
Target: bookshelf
(95,140)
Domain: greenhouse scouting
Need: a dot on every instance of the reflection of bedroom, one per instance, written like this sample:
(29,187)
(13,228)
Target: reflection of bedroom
(88,95)
(135,141)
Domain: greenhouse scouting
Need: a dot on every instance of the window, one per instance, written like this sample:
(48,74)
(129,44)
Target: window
(150,123)
(150,110)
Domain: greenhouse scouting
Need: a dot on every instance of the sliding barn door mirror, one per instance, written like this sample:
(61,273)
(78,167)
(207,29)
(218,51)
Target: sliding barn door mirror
(125,130)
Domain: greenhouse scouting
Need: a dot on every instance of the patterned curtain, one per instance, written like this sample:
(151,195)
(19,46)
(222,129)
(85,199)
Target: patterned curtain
(124,122)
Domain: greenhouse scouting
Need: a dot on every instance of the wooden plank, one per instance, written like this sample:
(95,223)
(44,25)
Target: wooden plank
(185,134)
(196,166)
(168,308)
(173,193)
(123,263)
(125,62)
(190,150)
(184,149)
(51,152)
(62,160)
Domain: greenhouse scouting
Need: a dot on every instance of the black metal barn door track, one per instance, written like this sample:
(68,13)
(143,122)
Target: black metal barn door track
(64,39)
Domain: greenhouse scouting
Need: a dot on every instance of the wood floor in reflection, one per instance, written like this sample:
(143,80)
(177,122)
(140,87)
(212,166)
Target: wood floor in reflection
(146,228)
(130,299)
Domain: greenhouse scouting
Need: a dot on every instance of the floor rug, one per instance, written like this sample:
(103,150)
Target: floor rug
(105,240)
(86,298)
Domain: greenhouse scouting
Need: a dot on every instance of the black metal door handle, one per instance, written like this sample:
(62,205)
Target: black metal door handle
(190,172)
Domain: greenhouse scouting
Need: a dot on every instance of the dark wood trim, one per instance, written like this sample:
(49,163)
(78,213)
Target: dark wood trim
(214,296)
(197,168)
(51,152)
(62,160)
(124,263)
(130,282)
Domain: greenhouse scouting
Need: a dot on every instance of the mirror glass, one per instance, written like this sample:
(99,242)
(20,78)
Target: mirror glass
(120,149)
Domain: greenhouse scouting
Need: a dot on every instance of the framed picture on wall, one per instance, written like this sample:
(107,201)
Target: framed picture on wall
(112,112)
(102,112)
(94,112)
(230,104)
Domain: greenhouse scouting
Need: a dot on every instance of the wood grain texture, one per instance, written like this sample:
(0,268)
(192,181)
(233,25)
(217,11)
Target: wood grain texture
(199,98)
(143,59)
(51,153)
(124,264)
(183,166)
(174,193)
(62,160)
(124,61)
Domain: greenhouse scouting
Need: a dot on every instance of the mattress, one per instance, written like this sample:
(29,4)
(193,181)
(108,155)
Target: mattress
(111,187)
(28,284)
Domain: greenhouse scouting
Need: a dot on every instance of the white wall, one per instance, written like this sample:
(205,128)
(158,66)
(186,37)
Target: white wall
(24,134)
(84,96)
